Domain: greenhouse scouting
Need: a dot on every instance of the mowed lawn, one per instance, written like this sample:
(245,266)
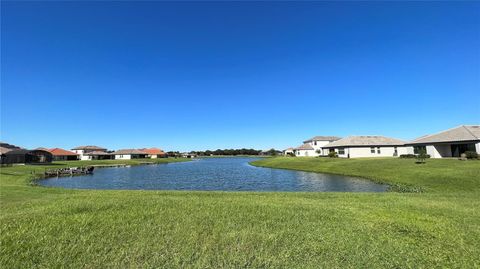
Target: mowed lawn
(436,225)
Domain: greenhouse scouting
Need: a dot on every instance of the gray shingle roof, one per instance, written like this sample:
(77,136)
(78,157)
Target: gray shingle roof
(322,138)
(460,133)
(96,153)
(128,151)
(89,148)
(305,147)
(365,140)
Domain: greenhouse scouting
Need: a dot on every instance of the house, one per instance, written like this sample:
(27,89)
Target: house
(449,143)
(83,150)
(367,146)
(288,152)
(63,155)
(188,155)
(154,153)
(127,154)
(317,143)
(305,150)
(26,156)
(97,155)
(3,150)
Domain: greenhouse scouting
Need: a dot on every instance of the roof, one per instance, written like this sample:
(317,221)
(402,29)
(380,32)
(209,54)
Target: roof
(61,152)
(460,133)
(305,147)
(96,153)
(40,148)
(89,148)
(17,151)
(322,138)
(9,146)
(4,150)
(128,152)
(288,149)
(365,140)
(153,151)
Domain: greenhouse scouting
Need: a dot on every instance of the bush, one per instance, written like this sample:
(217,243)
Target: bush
(332,154)
(412,156)
(471,155)
(421,156)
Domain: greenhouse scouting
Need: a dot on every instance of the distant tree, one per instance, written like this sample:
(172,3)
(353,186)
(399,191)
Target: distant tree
(272,152)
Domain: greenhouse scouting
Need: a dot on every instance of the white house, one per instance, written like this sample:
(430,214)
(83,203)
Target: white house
(367,146)
(318,142)
(127,154)
(305,150)
(91,152)
(288,151)
(450,143)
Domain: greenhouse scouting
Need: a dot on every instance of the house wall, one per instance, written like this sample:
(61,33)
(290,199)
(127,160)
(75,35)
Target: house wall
(363,152)
(64,158)
(477,147)
(123,157)
(305,153)
(319,146)
(287,152)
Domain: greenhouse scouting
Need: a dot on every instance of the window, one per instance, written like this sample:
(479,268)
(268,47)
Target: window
(395,151)
(378,150)
(417,149)
(341,151)
(315,143)
(372,150)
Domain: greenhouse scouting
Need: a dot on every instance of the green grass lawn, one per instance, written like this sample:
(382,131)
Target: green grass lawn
(438,227)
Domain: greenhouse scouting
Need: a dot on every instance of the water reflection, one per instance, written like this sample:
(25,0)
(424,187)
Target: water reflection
(223,174)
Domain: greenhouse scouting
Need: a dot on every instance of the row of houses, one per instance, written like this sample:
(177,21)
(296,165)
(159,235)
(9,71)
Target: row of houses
(449,143)
(13,154)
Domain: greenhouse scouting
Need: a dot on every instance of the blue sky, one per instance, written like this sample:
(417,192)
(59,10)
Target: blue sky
(193,76)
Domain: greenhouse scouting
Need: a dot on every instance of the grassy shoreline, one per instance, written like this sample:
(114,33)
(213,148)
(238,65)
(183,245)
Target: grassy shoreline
(404,175)
(55,227)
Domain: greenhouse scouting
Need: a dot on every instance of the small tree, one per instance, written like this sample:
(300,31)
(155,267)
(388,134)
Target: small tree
(422,155)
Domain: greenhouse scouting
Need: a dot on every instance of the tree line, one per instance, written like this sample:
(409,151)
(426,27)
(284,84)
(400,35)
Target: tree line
(229,152)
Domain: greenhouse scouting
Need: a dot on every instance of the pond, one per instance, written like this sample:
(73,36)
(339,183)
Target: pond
(213,174)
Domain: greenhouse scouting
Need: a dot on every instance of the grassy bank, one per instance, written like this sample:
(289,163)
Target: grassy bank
(53,227)
(436,175)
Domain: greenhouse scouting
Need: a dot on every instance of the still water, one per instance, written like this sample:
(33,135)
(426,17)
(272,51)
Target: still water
(213,174)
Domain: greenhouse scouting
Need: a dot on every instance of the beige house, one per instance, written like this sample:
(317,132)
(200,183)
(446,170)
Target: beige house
(91,153)
(127,154)
(305,150)
(449,143)
(288,151)
(367,146)
(317,143)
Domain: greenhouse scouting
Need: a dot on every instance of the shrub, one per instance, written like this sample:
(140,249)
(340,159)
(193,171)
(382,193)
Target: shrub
(407,156)
(422,155)
(332,154)
(471,155)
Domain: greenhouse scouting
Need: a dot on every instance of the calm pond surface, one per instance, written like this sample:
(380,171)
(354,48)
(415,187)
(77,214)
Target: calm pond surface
(219,174)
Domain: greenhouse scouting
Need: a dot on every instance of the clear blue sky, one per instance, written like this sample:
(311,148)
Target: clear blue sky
(193,76)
